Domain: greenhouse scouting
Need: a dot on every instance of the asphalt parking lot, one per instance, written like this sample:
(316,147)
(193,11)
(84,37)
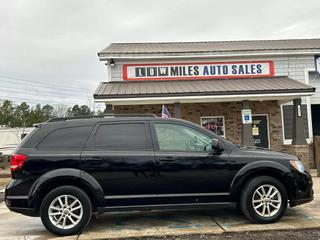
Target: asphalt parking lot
(155,224)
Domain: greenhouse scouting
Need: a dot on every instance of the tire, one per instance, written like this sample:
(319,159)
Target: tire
(62,221)
(255,193)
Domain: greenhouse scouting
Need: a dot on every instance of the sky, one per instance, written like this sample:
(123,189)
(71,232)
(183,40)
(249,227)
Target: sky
(48,48)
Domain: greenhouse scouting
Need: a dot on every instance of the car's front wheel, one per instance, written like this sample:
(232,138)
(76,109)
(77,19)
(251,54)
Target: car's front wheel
(263,200)
(66,210)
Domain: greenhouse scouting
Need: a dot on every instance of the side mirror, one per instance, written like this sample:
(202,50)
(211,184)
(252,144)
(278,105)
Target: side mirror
(217,145)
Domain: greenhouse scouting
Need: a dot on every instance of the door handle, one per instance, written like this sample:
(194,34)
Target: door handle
(167,159)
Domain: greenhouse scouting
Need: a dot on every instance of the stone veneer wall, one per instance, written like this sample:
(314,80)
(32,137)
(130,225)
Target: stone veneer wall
(231,112)
(232,115)
(301,151)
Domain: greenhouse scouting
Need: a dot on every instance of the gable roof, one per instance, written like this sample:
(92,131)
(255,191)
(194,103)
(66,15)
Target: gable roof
(178,48)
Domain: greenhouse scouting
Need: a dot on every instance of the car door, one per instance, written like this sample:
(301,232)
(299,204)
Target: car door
(120,157)
(186,164)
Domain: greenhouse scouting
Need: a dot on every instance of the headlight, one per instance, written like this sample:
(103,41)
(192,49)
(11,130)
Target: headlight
(298,165)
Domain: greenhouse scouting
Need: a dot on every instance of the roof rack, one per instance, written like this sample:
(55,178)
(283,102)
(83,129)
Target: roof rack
(103,116)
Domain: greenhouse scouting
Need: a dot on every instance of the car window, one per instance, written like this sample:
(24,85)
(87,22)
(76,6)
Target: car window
(66,138)
(121,136)
(175,137)
(26,139)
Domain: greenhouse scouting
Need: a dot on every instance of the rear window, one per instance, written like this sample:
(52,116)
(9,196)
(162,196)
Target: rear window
(25,140)
(122,136)
(72,138)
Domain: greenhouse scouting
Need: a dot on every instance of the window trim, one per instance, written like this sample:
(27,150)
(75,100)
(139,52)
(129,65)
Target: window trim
(224,124)
(156,143)
(90,146)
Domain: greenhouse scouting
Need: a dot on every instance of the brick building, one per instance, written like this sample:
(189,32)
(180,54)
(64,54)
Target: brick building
(219,84)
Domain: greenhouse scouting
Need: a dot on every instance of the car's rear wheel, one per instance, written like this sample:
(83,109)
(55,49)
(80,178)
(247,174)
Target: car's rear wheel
(66,210)
(263,200)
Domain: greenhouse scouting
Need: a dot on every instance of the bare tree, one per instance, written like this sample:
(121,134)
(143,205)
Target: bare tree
(60,110)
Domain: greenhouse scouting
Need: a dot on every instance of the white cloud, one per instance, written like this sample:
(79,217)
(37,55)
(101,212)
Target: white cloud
(56,42)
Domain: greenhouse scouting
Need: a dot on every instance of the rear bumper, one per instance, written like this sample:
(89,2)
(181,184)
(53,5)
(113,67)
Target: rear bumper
(25,211)
(18,203)
(302,191)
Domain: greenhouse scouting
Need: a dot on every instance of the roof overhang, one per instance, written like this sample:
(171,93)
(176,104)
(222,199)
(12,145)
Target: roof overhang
(199,91)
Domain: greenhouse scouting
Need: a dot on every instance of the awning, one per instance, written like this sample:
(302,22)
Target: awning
(187,91)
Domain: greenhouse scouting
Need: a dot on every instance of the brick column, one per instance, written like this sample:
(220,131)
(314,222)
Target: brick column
(316,142)
(108,109)
(299,146)
(246,137)
(177,110)
(298,134)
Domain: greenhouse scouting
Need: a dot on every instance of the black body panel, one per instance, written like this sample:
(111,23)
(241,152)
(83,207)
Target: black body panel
(146,176)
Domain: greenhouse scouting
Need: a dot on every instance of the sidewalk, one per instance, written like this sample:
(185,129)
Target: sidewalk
(5,177)
(5,173)
(165,223)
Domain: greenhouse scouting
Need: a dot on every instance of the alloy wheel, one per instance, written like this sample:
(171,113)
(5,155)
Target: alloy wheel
(266,200)
(65,211)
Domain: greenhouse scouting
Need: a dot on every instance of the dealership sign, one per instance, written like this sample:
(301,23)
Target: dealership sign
(197,70)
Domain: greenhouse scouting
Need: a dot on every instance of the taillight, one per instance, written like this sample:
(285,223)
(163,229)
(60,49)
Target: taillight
(16,161)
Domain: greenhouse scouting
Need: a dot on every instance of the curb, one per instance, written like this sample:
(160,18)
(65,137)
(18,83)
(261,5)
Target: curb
(226,234)
(5,175)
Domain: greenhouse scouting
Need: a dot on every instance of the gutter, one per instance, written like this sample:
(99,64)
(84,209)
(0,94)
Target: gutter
(204,98)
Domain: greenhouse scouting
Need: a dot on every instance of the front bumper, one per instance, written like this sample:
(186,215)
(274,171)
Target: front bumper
(301,189)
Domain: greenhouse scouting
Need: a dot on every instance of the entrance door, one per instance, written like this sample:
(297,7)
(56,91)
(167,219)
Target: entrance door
(315,111)
(260,130)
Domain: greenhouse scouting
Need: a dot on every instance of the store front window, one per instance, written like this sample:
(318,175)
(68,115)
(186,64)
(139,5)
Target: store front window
(287,119)
(214,124)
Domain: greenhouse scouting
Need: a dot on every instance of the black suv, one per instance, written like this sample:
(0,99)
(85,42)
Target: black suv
(68,169)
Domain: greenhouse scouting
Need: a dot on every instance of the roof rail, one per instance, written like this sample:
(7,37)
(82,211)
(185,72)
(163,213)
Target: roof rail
(129,115)
(103,116)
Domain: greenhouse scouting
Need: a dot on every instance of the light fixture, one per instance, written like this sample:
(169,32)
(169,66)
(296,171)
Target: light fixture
(112,64)
(299,110)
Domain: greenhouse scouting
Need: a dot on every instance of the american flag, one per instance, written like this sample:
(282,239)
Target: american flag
(165,112)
